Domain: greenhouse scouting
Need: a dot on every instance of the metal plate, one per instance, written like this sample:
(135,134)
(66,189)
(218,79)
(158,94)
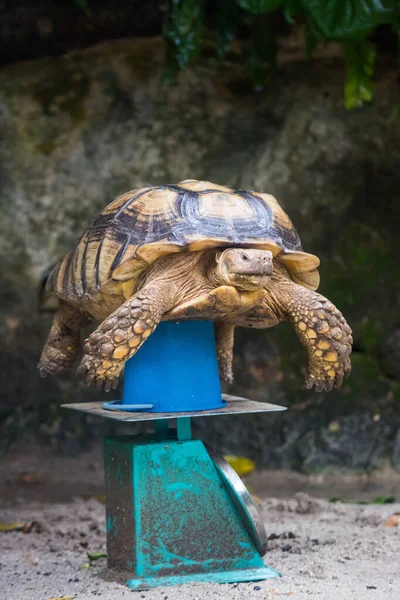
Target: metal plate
(235,405)
(243,502)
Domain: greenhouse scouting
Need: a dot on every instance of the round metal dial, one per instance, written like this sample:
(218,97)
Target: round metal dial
(243,502)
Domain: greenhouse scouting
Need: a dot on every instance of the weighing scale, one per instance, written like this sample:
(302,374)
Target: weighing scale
(176,511)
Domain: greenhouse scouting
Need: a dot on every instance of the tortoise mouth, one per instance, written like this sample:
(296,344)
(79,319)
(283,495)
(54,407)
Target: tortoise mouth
(255,269)
(249,281)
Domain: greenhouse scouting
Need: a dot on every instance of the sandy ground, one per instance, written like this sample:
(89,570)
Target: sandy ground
(323,550)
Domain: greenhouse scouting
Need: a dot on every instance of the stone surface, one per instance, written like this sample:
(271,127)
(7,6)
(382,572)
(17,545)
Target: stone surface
(76,131)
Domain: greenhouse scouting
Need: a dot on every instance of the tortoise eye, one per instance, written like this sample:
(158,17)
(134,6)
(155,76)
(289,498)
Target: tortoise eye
(245,257)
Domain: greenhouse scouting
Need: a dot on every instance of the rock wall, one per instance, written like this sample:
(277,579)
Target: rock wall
(78,130)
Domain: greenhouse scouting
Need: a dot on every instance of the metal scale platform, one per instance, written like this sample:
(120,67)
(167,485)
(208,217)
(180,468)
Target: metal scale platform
(176,511)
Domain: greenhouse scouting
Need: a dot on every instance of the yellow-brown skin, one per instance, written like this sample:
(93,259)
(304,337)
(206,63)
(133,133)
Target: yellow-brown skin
(234,287)
(63,340)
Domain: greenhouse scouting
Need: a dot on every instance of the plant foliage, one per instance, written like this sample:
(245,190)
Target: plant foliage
(349,19)
(360,60)
(350,22)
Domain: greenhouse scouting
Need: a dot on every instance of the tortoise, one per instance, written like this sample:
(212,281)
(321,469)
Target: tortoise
(193,250)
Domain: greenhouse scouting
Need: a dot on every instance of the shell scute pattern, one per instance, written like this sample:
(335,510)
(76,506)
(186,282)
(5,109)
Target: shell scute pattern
(140,226)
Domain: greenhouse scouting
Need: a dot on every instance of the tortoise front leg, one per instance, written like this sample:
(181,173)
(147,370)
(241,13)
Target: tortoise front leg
(120,336)
(322,330)
(224,337)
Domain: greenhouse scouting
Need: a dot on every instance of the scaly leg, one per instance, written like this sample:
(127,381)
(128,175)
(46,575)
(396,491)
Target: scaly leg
(322,330)
(120,336)
(63,341)
(224,337)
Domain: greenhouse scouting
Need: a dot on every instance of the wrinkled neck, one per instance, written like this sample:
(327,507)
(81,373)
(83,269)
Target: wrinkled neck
(280,285)
(216,275)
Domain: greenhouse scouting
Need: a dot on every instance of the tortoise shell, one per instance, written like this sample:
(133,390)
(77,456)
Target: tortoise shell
(141,226)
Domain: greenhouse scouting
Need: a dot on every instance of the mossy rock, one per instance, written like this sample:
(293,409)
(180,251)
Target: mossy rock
(80,129)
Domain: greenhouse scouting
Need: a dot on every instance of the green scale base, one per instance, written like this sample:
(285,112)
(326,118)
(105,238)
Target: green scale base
(175,513)
(185,525)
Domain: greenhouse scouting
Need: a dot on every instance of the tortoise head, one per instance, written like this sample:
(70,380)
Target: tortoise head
(244,268)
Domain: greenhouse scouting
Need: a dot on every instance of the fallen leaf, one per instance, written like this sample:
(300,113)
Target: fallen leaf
(384,500)
(15,526)
(256,499)
(393,520)
(377,500)
(334,426)
(242,465)
(96,555)
(30,479)
(85,566)
(12,322)
(100,498)
(28,527)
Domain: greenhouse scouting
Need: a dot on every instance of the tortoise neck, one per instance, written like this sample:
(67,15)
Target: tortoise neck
(214,274)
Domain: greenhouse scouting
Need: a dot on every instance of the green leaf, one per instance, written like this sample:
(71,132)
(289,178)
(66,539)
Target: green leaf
(342,19)
(377,500)
(291,10)
(384,500)
(360,60)
(226,23)
(183,29)
(260,6)
(96,555)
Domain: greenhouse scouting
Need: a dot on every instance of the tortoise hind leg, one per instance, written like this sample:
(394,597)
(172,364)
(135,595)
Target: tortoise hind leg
(62,345)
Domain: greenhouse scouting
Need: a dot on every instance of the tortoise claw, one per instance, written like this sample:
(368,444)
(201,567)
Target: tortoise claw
(89,379)
(85,372)
(325,383)
(42,372)
(328,385)
(81,371)
(102,377)
(338,380)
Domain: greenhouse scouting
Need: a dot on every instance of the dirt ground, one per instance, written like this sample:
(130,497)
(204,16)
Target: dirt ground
(323,550)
